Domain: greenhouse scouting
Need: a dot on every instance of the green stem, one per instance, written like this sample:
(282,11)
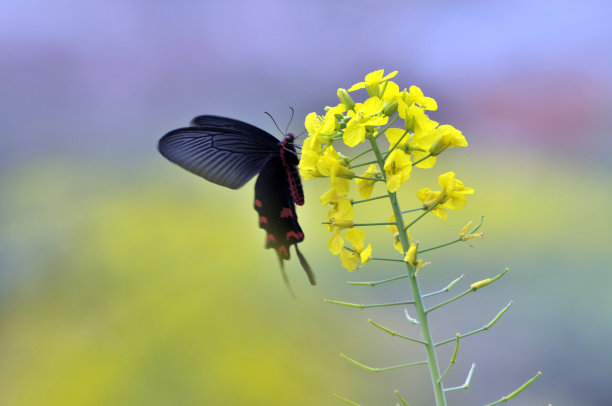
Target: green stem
(363,224)
(411,210)
(421,216)
(452,360)
(362,164)
(439,246)
(374,283)
(421,315)
(367,306)
(382,132)
(366,178)
(350,402)
(516,392)
(446,289)
(394,333)
(360,155)
(484,328)
(395,146)
(371,369)
(387,259)
(467,381)
(421,160)
(370,199)
(404,403)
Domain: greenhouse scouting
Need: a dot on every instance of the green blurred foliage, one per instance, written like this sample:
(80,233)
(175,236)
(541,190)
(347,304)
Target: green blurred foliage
(130,286)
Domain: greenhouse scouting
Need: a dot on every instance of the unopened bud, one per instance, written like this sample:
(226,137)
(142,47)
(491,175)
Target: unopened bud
(438,146)
(346,98)
(390,109)
(480,284)
(465,229)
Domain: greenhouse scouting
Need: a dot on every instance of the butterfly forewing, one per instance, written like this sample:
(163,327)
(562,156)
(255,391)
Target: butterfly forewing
(229,152)
(224,151)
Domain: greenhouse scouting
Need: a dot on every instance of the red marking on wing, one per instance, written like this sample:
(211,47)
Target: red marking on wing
(271,238)
(282,252)
(293,234)
(263,220)
(257,203)
(286,212)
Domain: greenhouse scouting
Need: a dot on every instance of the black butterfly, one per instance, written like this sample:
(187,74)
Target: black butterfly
(229,153)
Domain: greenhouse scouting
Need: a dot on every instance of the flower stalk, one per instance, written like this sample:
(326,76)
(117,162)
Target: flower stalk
(419,305)
(414,141)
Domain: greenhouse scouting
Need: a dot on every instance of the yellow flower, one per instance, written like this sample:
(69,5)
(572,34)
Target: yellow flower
(332,164)
(341,215)
(412,260)
(321,128)
(416,144)
(452,195)
(351,258)
(454,190)
(364,117)
(365,186)
(415,96)
(331,197)
(311,153)
(397,168)
(446,136)
(415,118)
(465,236)
(397,244)
(372,82)
(411,255)
(336,243)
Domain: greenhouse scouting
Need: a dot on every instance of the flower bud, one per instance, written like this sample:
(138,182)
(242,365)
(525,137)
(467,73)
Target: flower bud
(346,98)
(467,237)
(390,109)
(465,229)
(480,284)
(341,223)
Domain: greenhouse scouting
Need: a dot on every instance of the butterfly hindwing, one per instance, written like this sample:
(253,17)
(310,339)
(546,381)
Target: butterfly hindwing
(276,209)
(224,151)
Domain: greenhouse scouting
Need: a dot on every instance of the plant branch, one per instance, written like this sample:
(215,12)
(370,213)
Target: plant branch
(367,306)
(467,381)
(395,333)
(404,403)
(350,402)
(369,199)
(371,369)
(473,288)
(374,283)
(452,360)
(446,289)
(516,392)
(483,328)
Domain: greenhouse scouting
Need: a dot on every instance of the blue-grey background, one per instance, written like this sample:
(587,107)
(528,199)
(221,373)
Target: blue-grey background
(125,280)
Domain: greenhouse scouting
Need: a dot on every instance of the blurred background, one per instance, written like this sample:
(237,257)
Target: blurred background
(125,280)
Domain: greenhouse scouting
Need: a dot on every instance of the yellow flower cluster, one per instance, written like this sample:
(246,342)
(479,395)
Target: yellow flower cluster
(415,143)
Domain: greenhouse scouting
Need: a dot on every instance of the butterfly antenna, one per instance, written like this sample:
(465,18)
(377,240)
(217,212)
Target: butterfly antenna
(274,121)
(290,120)
(306,267)
(285,278)
(300,134)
